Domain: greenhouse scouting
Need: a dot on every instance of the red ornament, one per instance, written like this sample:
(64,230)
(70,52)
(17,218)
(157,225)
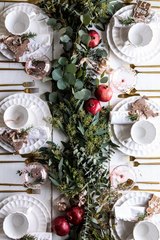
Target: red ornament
(95,38)
(60,226)
(103,93)
(75,215)
(92,105)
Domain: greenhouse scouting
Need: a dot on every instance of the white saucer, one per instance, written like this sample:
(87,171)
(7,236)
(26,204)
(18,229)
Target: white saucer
(37,26)
(37,220)
(119,54)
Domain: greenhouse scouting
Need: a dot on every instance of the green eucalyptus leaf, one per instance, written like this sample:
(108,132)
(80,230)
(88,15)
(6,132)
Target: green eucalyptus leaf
(100,132)
(53,176)
(80,127)
(58,26)
(84,94)
(66,119)
(55,63)
(60,164)
(63,61)
(104,80)
(79,95)
(46,79)
(70,78)
(79,85)
(99,27)
(81,32)
(72,68)
(69,31)
(79,73)
(56,183)
(93,220)
(53,97)
(64,39)
(46,96)
(62,84)
(57,74)
(52,22)
(85,19)
(68,46)
(85,38)
(62,31)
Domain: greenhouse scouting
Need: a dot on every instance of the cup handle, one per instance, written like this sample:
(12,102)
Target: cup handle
(127,140)
(32,16)
(28,210)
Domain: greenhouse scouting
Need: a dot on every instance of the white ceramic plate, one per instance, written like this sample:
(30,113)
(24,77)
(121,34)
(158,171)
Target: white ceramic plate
(120,35)
(41,108)
(124,228)
(37,26)
(31,199)
(124,149)
(115,49)
(123,131)
(37,220)
(140,201)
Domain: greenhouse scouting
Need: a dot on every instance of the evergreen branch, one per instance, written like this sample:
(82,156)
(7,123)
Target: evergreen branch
(25,131)
(141,216)
(28,35)
(133,117)
(28,237)
(127,21)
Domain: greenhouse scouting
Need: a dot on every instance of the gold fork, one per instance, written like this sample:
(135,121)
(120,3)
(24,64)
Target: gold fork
(136,164)
(29,191)
(125,95)
(13,184)
(27,90)
(25,84)
(136,188)
(149,66)
(29,155)
(26,161)
(149,182)
(133,158)
(28,1)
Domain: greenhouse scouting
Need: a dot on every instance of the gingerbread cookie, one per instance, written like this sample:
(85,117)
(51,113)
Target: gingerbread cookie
(142,9)
(153,206)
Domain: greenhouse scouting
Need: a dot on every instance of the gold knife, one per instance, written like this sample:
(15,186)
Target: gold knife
(133,95)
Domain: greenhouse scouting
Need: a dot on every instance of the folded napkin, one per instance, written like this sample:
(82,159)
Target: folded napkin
(128,213)
(121,117)
(39,235)
(118,24)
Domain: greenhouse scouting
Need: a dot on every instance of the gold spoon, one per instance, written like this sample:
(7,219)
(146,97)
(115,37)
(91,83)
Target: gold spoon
(136,188)
(136,164)
(133,158)
(133,66)
(12,184)
(26,161)
(29,191)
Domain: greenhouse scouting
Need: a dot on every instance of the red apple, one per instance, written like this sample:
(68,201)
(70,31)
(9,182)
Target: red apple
(92,105)
(103,93)
(95,38)
(75,214)
(60,226)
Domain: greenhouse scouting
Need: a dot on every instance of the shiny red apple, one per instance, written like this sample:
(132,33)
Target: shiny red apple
(60,226)
(95,38)
(103,93)
(75,214)
(92,105)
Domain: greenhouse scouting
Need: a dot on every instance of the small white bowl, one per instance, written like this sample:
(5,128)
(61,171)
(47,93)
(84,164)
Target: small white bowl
(143,132)
(140,34)
(15,225)
(16,116)
(146,230)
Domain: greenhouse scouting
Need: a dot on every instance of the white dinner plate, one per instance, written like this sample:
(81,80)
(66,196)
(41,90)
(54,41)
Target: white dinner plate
(37,220)
(120,54)
(124,228)
(122,131)
(32,200)
(37,26)
(124,149)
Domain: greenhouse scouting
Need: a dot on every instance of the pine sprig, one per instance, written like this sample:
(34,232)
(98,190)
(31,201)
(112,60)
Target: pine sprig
(133,117)
(28,237)
(28,35)
(25,131)
(141,216)
(127,21)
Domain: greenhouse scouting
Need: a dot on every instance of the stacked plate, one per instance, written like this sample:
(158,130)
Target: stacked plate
(39,26)
(122,131)
(38,110)
(124,229)
(39,217)
(117,36)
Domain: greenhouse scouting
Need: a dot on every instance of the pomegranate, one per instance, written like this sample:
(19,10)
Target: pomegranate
(75,214)
(92,105)
(95,38)
(60,226)
(103,93)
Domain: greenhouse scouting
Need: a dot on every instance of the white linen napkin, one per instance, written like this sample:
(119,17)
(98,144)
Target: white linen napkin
(118,24)
(128,213)
(39,235)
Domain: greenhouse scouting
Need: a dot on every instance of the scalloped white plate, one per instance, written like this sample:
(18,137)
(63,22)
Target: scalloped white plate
(121,131)
(140,201)
(120,35)
(37,220)
(32,200)
(120,54)
(124,149)
(124,228)
(37,26)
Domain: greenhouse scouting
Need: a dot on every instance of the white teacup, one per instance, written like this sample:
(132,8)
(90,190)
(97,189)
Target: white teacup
(146,230)
(142,132)
(16,116)
(16,225)
(18,22)
(139,35)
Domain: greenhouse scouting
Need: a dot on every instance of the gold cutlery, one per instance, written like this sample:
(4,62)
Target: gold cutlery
(12,69)
(136,188)
(125,95)
(29,155)
(26,161)
(133,91)
(26,90)
(25,84)
(12,184)
(155,72)
(149,182)
(19,1)
(149,66)
(133,158)
(136,164)
(29,191)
